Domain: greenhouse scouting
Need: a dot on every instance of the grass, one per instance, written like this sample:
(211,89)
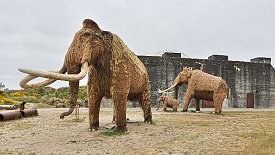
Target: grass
(238,132)
(264,144)
(262,138)
(112,132)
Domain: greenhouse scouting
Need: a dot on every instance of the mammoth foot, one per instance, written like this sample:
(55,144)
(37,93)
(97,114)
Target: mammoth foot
(148,121)
(120,129)
(93,127)
(184,110)
(218,113)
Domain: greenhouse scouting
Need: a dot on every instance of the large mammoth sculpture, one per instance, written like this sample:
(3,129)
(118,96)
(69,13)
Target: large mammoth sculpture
(114,71)
(201,86)
(168,102)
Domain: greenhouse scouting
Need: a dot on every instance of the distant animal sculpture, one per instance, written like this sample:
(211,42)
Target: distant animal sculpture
(201,86)
(114,71)
(168,102)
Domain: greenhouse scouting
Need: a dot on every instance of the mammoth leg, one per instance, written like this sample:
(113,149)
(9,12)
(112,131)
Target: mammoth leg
(218,98)
(146,107)
(94,108)
(114,114)
(197,104)
(174,107)
(164,107)
(187,100)
(120,102)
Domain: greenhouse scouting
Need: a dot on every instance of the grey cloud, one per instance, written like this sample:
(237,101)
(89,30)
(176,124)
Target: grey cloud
(37,34)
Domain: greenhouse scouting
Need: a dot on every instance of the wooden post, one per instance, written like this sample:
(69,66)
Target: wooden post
(77,111)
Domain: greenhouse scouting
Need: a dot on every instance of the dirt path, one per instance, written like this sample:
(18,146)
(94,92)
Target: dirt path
(235,132)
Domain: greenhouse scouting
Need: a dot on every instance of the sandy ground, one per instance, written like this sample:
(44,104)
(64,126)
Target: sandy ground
(237,131)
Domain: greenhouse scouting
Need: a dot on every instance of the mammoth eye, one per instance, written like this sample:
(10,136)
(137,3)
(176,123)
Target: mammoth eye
(86,34)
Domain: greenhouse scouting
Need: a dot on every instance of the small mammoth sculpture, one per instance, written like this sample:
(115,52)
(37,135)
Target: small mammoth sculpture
(168,102)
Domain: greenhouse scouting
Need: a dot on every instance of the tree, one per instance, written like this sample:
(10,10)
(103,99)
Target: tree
(2,86)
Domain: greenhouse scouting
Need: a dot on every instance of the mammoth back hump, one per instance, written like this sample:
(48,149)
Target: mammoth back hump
(121,53)
(204,82)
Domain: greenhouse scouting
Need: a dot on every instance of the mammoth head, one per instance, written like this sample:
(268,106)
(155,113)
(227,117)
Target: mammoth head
(161,98)
(90,24)
(85,46)
(85,49)
(183,76)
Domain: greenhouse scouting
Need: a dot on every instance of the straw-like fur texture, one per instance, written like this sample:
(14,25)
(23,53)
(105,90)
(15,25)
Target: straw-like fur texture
(202,86)
(73,57)
(114,72)
(168,102)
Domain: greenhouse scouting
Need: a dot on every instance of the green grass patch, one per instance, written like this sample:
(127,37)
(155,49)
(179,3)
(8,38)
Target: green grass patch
(112,133)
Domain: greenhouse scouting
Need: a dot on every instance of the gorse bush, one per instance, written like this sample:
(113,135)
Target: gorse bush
(46,95)
(18,94)
(6,100)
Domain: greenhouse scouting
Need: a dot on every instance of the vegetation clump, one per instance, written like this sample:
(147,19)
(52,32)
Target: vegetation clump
(48,95)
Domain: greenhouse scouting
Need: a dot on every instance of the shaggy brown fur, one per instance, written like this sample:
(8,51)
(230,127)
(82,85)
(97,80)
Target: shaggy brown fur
(168,102)
(114,72)
(202,86)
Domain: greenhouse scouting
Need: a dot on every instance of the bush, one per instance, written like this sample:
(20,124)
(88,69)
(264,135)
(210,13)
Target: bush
(17,94)
(6,100)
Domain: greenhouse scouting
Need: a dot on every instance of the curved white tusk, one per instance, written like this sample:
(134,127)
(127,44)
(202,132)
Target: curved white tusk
(57,76)
(162,91)
(24,81)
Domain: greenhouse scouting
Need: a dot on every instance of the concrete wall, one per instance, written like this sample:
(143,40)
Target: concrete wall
(257,76)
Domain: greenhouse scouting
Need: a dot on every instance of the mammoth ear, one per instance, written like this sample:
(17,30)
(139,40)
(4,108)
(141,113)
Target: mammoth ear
(187,71)
(108,36)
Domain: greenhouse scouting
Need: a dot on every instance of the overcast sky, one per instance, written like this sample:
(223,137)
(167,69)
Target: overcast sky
(37,33)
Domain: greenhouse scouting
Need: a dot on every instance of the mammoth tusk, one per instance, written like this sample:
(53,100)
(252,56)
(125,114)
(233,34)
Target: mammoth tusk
(23,82)
(172,92)
(57,76)
(162,91)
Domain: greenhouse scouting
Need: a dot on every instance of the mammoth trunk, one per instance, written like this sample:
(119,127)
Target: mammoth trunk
(176,90)
(158,105)
(74,87)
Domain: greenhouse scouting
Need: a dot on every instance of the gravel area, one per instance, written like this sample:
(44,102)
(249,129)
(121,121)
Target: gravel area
(237,131)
